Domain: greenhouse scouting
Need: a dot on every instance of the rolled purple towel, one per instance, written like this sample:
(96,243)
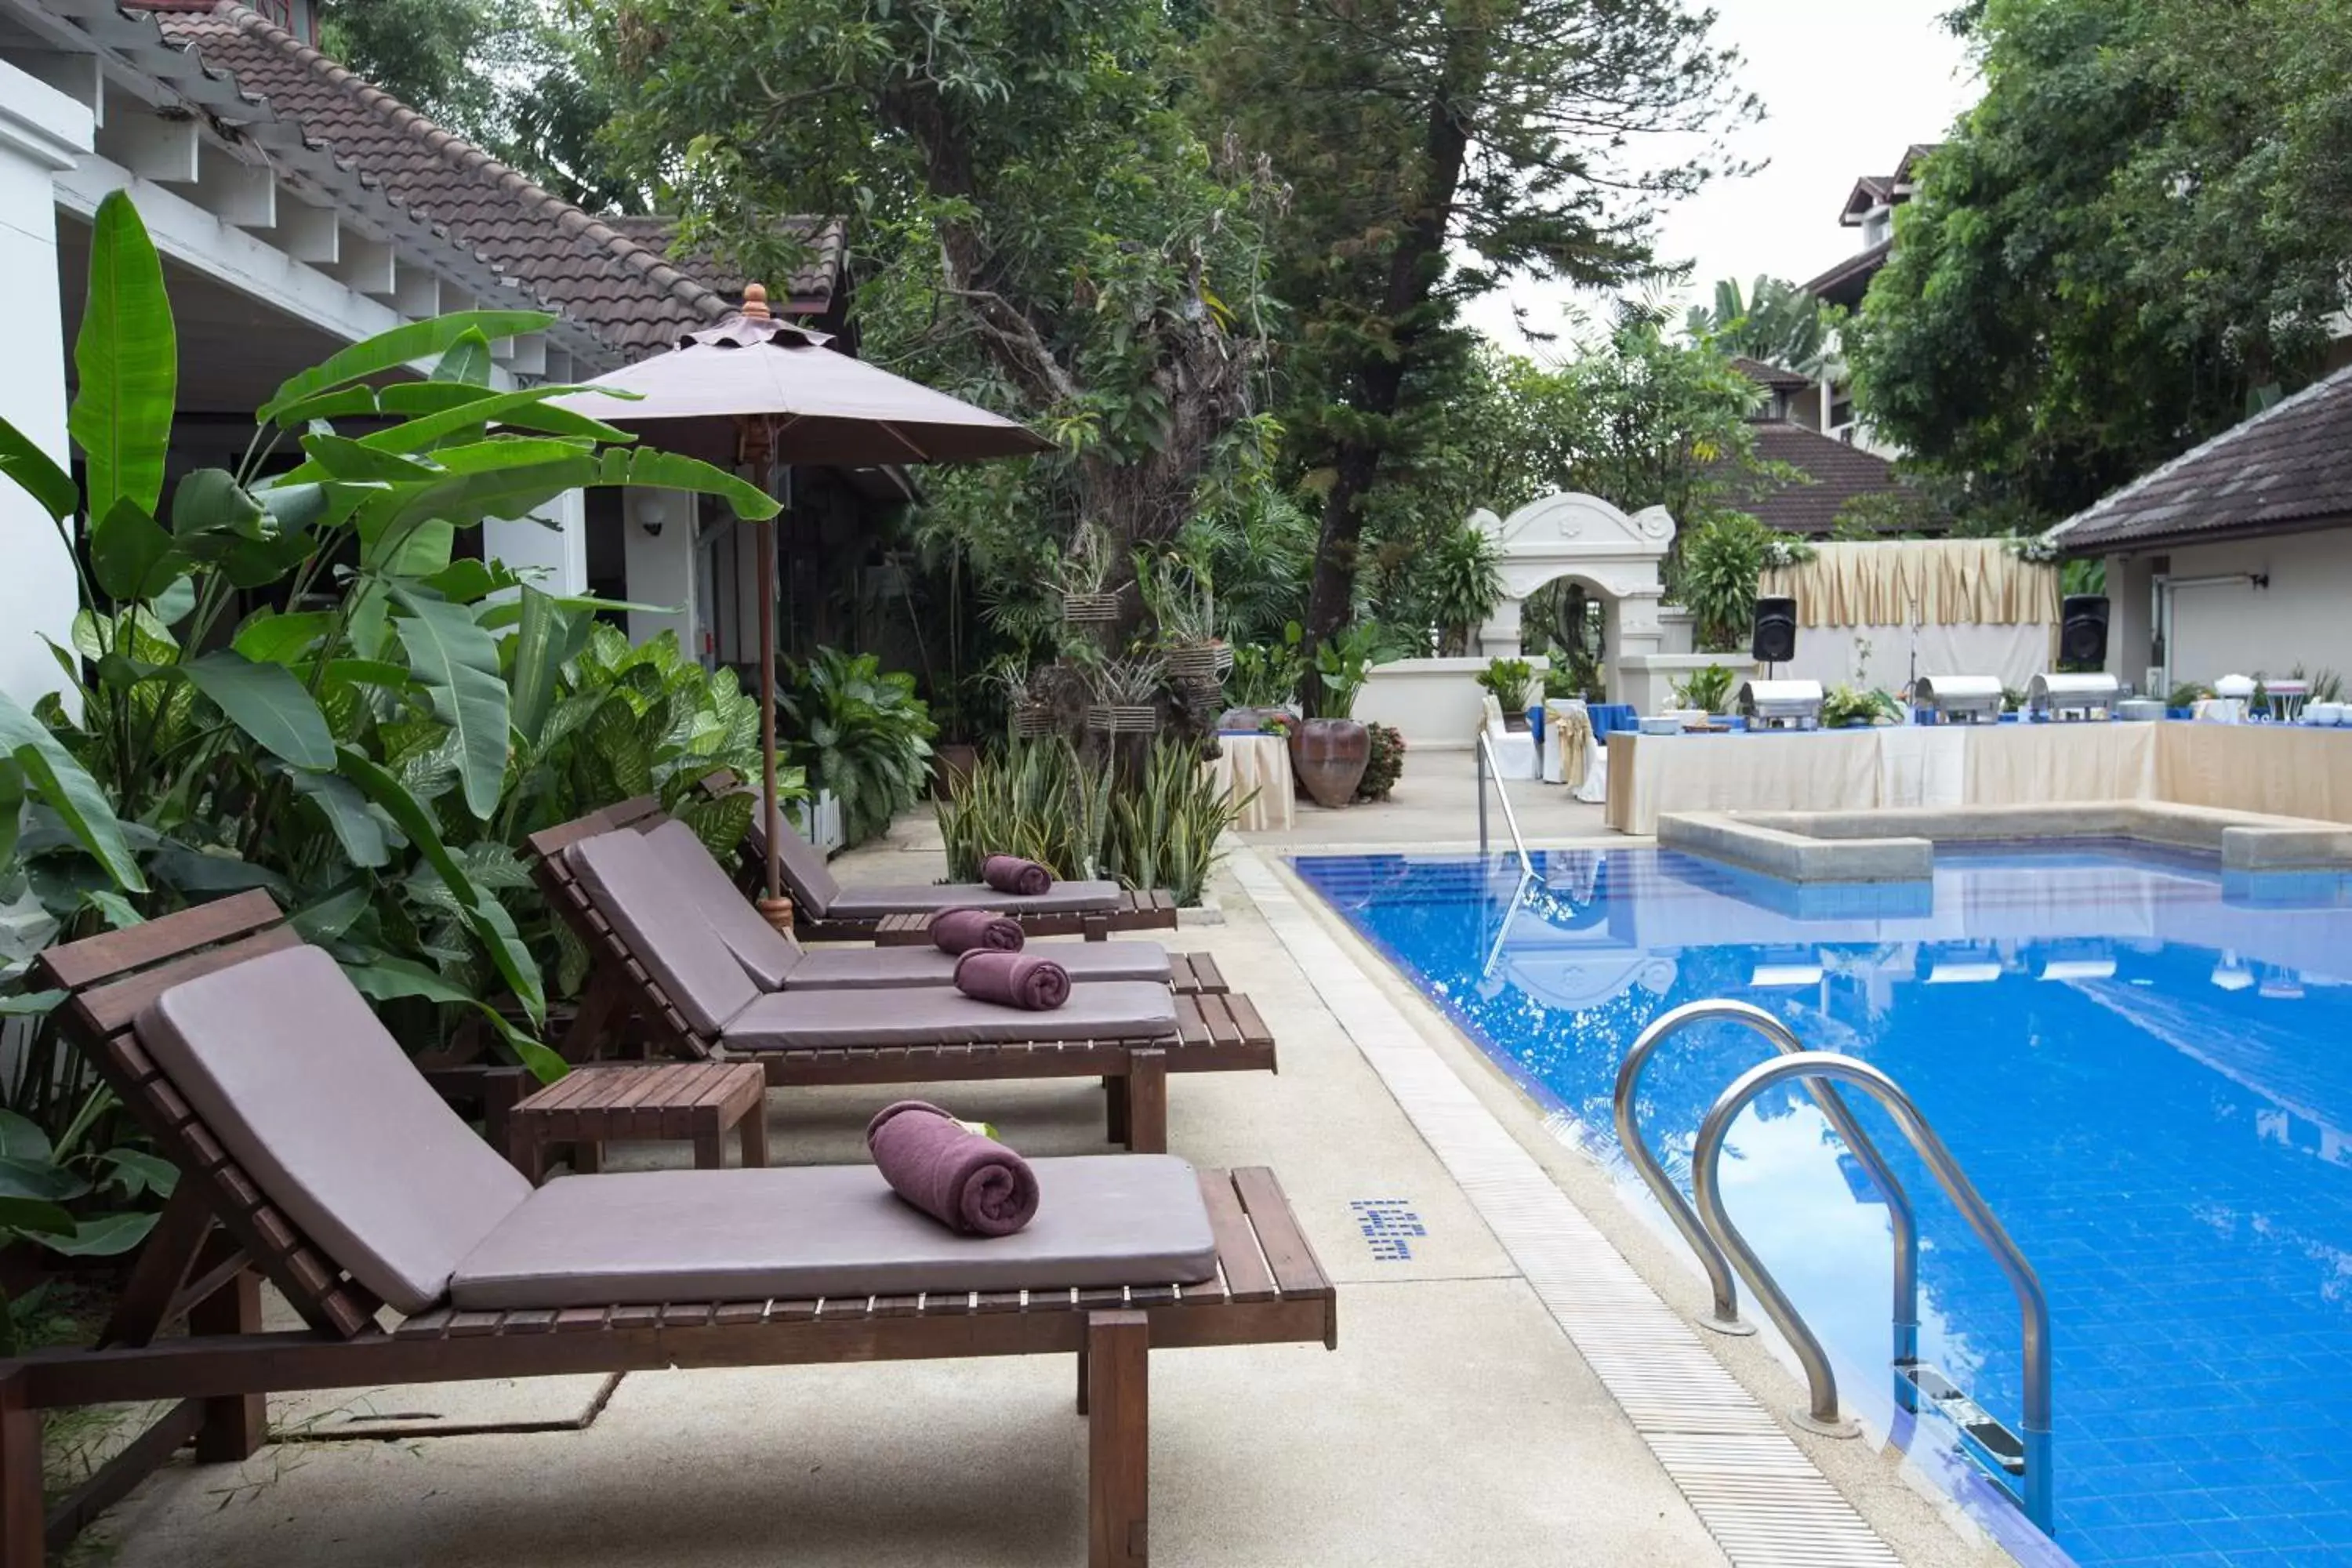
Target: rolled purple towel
(964,1181)
(1011,874)
(961,930)
(1013,980)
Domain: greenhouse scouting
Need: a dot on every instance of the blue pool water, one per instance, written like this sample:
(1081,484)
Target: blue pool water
(2146,1072)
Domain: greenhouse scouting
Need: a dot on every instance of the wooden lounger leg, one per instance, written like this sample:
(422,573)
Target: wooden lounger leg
(1115,1110)
(1119,1439)
(235,1425)
(1147,1102)
(21,1544)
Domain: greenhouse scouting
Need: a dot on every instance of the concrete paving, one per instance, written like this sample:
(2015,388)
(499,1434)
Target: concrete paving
(1455,1424)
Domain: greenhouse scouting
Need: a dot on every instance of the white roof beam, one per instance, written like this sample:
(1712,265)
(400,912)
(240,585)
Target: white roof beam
(530,357)
(367,266)
(308,234)
(77,76)
(156,147)
(416,292)
(241,194)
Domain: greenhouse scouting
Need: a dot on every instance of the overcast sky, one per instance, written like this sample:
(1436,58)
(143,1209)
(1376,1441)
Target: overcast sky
(1846,85)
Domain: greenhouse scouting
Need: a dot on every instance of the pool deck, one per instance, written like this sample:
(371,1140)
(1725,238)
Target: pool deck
(1456,1422)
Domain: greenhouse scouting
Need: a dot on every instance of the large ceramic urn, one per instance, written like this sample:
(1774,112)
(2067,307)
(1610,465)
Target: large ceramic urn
(1329,755)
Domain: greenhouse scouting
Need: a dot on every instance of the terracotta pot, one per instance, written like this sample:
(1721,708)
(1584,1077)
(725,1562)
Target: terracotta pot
(1330,756)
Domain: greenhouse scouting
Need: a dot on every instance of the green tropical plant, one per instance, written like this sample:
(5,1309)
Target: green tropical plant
(1181,595)
(1342,665)
(1167,825)
(1705,689)
(1722,562)
(859,732)
(1038,799)
(1508,681)
(1263,676)
(1385,762)
(1777,323)
(1464,582)
(352,751)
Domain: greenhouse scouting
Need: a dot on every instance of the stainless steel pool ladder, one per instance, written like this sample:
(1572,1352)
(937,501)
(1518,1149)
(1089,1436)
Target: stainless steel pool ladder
(1488,767)
(2024,1460)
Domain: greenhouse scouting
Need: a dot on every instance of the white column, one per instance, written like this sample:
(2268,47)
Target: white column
(657,549)
(550,550)
(41,132)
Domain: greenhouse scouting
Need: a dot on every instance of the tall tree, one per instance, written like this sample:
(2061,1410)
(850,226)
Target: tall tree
(511,75)
(1436,147)
(1037,225)
(2139,231)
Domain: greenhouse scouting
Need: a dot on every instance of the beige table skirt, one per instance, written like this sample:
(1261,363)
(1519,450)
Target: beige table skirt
(2286,770)
(1259,763)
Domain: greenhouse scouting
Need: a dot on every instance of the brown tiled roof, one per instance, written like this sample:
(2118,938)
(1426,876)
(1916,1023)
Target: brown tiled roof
(626,294)
(1846,283)
(1869,191)
(807,290)
(1771,375)
(2288,469)
(1840,473)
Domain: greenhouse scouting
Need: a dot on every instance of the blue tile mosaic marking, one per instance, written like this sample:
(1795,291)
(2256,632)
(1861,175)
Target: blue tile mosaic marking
(1390,1227)
(2142,1065)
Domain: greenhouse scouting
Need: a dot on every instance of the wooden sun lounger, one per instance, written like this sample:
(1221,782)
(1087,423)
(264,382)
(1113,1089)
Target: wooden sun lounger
(220,1236)
(1145,909)
(1214,1033)
(1189,973)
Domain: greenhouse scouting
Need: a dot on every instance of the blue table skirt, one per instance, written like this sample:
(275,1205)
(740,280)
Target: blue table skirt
(1608,716)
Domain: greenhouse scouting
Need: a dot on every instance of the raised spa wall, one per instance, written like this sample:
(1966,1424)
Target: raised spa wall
(1897,846)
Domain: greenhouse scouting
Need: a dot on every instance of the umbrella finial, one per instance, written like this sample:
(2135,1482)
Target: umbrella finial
(755,301)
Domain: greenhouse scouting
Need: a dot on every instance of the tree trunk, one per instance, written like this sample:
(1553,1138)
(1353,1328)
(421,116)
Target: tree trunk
(1414,268)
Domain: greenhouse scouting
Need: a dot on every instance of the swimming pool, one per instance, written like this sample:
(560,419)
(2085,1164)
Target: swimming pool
(2148,1074)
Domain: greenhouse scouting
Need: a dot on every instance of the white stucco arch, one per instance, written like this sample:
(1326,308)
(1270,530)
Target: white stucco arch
(1584,537)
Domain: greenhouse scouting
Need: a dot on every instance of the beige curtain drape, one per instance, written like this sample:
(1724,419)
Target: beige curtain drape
(1930,582)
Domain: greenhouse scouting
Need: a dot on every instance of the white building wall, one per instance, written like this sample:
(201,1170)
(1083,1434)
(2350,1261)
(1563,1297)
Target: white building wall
(41,132)
(660,565)
(2303,616)
(552,552)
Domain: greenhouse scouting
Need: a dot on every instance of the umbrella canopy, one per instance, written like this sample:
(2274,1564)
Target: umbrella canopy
(820,406)
(754,390)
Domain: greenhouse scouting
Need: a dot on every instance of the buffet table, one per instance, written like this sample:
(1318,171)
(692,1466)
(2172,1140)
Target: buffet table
(1259,763)
(2289,770)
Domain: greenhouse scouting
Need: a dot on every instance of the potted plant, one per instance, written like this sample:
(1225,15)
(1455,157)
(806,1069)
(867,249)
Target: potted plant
(1183,604)
(1330,751)
(1082,575)
(1852,708)
(1508,681)
(1122,692)
(1705,689)
(1385,761)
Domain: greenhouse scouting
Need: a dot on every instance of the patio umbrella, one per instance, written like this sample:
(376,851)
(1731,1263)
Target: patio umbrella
(754,391)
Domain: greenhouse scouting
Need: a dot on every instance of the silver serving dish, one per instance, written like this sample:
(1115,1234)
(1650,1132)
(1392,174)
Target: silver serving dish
(2073,697)
(1958,699)
(1780,704)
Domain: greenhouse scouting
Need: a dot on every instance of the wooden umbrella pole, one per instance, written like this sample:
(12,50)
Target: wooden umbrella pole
(758,448)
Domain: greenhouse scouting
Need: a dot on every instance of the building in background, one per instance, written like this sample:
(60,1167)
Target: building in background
(1869,208)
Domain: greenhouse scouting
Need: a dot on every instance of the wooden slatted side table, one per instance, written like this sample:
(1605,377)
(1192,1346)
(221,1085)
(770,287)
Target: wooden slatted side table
(700,1102)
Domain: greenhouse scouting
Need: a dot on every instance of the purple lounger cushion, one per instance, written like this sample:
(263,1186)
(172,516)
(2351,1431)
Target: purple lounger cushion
(1023,980)
(960,931)
(1010,874)
(1112,1010)
(966,1182)
(795,1232)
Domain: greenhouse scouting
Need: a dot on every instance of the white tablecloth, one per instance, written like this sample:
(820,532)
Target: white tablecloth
(1260,763)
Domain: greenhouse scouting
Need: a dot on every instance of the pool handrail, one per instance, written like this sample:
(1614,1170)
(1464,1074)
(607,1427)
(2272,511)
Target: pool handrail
(1724,1314)
(2035,1492)
(1488,766)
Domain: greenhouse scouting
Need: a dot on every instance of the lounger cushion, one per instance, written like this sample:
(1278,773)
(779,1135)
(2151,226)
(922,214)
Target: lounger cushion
(623,875)
(800,862)
(830,1230)
(861,968)
(291,1072)
(1066,898)
(934,1016)
(766,956)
